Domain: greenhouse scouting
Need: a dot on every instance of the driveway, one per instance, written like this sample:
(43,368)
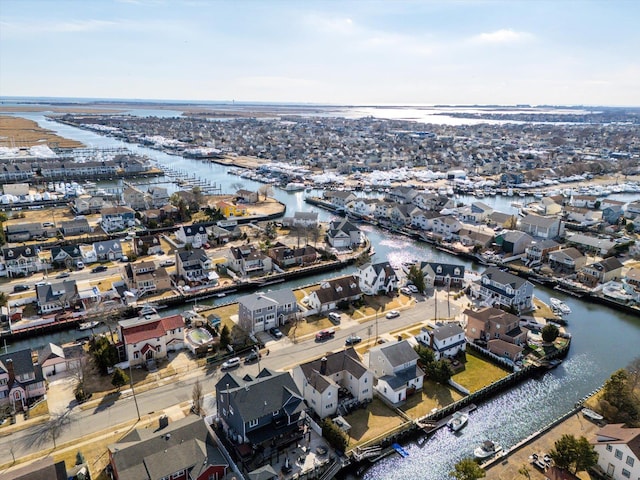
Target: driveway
(60,393)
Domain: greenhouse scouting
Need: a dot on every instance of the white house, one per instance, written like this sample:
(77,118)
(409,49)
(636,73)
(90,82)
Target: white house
(343,234)
(333,292)
(195,235)
(504,288)
(378,278)
(446,226)
(445,340)
(395,366)
(618,451)
(149,338)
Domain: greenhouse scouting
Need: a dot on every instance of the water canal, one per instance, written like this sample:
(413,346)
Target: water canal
(603,339)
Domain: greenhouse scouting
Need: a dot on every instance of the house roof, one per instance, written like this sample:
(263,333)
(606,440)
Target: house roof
(195,254)
(607,265)
(146,329)
(338,289)
(539,221)
(571,252)
(448,330)
(617,433)
(443,269)
(341,226)
(345,360)
(107,246)
(492,314)
(41,469)
(50,351)
(504,278)
(119,210)
(398,353)
(16,252)
(260,300)
(45,293)
(400,379)
(498,346)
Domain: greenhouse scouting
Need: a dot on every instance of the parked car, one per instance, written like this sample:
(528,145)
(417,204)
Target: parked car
(98,269)
(393,314)
(353,340)
(252,357)
(20,288)
(62,275)
(124,259)
(405,290)
(323,335)
(277,334)
(79,265)
(231,363)
(334,317)
(412,288)
(167,263)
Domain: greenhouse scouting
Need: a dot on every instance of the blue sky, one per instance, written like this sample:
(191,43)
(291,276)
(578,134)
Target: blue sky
(341,52)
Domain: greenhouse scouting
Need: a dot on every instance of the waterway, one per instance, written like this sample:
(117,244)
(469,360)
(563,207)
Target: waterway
(604,339)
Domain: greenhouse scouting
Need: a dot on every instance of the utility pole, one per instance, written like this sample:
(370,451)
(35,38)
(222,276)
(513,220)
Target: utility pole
(133,391)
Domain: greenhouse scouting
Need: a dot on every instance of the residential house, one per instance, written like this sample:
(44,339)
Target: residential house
(78,226)
(339,198)
(543,227)
(583,201)
(480,211)
(44,468)
(375,279)
(618,450)
(193,265)
(285,257)
(258,312)
(504,288)
(195,235)
(496,329)
(439,274)
(363,207)
(221,235)
(246,196)
(402,194)
(601,272)
(22,261)
(322,381)
(333,292)
(514,242)
(157,196)
(423,219)
(538,250)
(147,245)
(588,243)
(262,411)
(108,250)
(83,204)
(52,297)
(400,214)
(21,380)
(612,213)
(301,219)
(395,367)
(445,340)
(230,210)
(433,202)
(67,256)
(633,210)
(343,234)
(134,197)
(143,277)
(382,210)
(149,338)
(23,231)
(247,260)
(632,277)
(117,218)
(503,220)
(475,236)
(550,206)
(54,359)
(184,449)
(568,260)
(582,216)
(447,226)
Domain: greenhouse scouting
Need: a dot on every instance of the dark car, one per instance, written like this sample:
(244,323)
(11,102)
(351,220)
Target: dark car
(276,333)
(20,288)
(252,357)
(323,335)
(63,275)
(353,340)
(98,269)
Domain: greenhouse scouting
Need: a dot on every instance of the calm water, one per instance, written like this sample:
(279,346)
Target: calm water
(603,339)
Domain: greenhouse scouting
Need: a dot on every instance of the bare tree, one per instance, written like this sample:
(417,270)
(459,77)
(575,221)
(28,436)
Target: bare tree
(315,232)
(196,398)
(237,186)
(79,372)
(265,191)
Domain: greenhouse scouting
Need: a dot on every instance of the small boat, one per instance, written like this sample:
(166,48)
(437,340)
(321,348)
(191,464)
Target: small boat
(591,415)
(487,449)
(560,306)
(88,325)
(457,421)
(398,448)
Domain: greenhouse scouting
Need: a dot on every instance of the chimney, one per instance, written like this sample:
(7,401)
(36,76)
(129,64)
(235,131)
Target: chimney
(323,366)
(12,375)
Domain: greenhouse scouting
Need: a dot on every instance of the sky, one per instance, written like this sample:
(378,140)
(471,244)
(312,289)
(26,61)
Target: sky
(362,52)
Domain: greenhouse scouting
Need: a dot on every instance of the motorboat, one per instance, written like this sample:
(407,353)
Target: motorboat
(487,449)
(560,306)
(457,421)
(591,415)
(88,325)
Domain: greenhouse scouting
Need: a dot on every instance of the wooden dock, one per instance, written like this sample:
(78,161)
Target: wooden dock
(430,427)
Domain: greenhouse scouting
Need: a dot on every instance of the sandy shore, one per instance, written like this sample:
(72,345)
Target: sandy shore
(20,132)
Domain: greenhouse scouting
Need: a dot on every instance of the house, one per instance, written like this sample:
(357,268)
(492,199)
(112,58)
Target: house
(601,272)
(402,194)
(301,219)
(22,261)
(343,234)
(23,231)
(543,227)
(193,265)
(108,250)
(490,323)
(21,380)
(333,292)
(514,242)
(480,211)
(447,226)
(322,381)
(286,257)
(195,235)
(363,207)
(77,226)
(67,256)
(339,198)
(423,219)
(633,210)
(438,274)
(222,235)
(54,359)
(258,312)
(230,209)
(149,338)
(584,201)
(503,220)
(157,196)
(588,243)
(246,196)
(247,260)
(618,450)
(117,218)
(184,449)
(632,277)
(143,277)
(401,214)
(475,236)
(375,279)
(612,213)
(44,469)
(445,340)
(52,297)
(262,411)
(395,367)
(568,260)
(538,250)
(147,245)
(504,288)
(91,204)
(134,197)
(550,206)
(582,216)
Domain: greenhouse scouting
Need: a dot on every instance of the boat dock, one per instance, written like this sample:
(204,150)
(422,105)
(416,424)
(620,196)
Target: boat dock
(430,427)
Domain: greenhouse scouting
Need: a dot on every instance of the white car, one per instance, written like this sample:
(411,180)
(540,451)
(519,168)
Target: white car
(412,288)
(393,314)
(231,363)
(405,290)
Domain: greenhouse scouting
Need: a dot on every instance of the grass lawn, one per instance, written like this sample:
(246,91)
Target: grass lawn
(433,395)
(370,423)
(479,373)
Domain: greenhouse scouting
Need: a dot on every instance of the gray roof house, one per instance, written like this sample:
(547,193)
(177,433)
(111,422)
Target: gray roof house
(445,340)
(76,226)
(504,288)
(333,292)
(377,278)
(436,273)
(56,296)
(395,366)
(108,250)
(343,234)
(193,265)
(21,380)
(258,312)
(544,227)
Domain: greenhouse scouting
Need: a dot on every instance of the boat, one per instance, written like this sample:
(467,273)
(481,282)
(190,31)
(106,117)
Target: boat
(294,187)
(487,449)
(398,448)
(88,325)
(457,421)
(560,306)
(591,415)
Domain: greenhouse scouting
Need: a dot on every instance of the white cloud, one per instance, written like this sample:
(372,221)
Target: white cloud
(502,37)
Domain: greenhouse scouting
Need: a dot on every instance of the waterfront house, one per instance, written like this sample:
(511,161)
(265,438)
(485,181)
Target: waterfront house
(601,272)
(156,196)
(23,231)
(221,235)
(301,219)
(54,359)
(445,340)
(591,244)
(142,278)
(343,234)
(134,197)
(52,297)
(618,450)
(322,382)
(285,257)
(230,210)
(149,338)
(108,250)
(612,213)
(265,410)
(505,349)
(400,214)
(489,323)
(538,250)
(502,220)
(382,210)
(22,261)
(401,194)
(395,367)
(91,203)
(364,207)
(441,274)
(568,260)
(339,198)
(475,236)
(633,210)
(332,293)
(582,216)
(446,226)
(503,288)
(543,227)
(193,265)
(21,380)
(480,211)
(258,312)
(376,279)
(632,277)
(67,256)
(78,226)
(550,206)
(195,235)
(423,219)
(147,245)
(583,201)
(246,196)
(117,218)
(248,260)
(184,449)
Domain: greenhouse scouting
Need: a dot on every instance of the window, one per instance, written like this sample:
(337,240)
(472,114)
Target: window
(630,460)
(626,473)
(609,448)
(253,423)
(276,413)
(618,454)
(178,474)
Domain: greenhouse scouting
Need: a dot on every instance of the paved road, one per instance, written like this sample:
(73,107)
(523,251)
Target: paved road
(284,354)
